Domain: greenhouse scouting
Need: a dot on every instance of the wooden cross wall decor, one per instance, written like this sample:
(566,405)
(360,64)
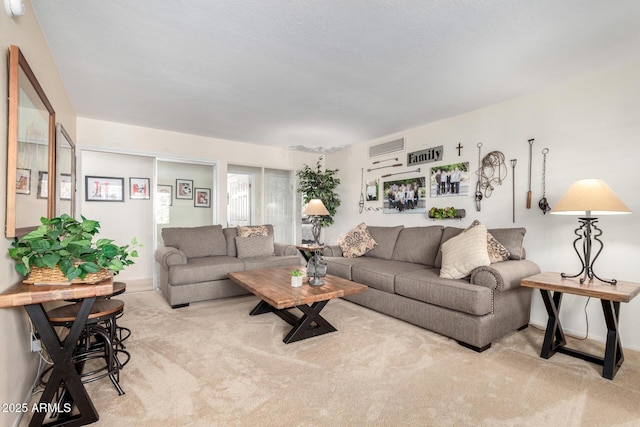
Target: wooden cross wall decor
(459,147)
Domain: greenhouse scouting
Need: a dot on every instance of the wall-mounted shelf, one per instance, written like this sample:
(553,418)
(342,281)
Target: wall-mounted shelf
(459,214)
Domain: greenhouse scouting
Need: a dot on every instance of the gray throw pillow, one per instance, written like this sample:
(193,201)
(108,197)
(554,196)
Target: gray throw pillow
(255,246)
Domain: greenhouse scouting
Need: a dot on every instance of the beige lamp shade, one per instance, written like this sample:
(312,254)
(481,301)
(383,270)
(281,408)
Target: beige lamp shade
(316,207)
(590,197)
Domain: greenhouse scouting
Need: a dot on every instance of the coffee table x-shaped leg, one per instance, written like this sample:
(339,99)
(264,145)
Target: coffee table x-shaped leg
(310,324)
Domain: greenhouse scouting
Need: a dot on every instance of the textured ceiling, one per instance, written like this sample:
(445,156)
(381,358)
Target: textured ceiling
(322,74)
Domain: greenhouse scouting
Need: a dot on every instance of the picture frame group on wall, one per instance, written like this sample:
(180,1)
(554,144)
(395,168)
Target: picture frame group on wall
(184,189)
(139,188)
(202,198)
(104,189)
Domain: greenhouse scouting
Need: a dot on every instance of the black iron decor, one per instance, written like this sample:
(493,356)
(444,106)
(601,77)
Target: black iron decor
(543,204)
(587,232)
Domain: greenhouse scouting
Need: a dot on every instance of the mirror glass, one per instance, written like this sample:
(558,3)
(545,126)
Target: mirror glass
(65,172)
(30,149)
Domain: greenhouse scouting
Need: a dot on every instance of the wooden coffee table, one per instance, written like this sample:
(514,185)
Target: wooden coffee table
(273,287)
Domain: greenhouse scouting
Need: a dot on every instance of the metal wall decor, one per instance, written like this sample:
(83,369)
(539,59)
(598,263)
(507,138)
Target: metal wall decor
(492,171)
(543,203)
(529,192)
(427,155)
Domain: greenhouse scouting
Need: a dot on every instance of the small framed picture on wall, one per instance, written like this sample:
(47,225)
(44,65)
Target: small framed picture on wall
(43,185)
(23,181)
(184,189)
(139,188)
(165,195)
(203,198)
(104,189)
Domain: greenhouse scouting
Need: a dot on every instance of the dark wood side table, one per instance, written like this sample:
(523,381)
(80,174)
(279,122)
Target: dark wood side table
(307,251)
(609,295)
(31,297)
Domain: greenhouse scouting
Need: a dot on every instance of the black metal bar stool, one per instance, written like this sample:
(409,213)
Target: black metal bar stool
(122,332)
(99,339)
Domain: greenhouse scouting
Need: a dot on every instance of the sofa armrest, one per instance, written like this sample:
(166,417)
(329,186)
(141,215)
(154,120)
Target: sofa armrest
(284,249)
(332,250)
(503,276)
(168,256)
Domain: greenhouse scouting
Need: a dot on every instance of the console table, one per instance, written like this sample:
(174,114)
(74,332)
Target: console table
(610,296)
(31,297)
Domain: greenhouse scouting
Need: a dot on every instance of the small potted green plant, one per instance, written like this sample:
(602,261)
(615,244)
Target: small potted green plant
(296,278)
(62,250)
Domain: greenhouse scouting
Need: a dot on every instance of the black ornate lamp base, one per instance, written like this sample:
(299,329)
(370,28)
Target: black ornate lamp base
(587,232)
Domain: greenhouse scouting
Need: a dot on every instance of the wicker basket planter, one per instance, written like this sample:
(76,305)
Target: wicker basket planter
(55,276)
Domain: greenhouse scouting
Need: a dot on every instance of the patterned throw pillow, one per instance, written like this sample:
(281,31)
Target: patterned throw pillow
(252,231)
(356,242)
(465,252)
(497,251)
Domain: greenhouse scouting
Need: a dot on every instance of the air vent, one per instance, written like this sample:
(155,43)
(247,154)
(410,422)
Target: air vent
(386,148)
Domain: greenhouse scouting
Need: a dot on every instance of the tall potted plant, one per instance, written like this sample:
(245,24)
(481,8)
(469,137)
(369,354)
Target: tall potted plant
(314,183)
(63,247)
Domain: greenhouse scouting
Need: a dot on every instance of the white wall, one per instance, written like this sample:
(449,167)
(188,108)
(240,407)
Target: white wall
(17,363)
(121,221)
(591,128)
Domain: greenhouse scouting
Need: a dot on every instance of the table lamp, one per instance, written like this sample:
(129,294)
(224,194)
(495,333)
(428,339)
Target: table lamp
(316,209)
(585,198)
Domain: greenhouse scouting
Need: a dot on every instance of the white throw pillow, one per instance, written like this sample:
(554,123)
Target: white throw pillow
(464,252)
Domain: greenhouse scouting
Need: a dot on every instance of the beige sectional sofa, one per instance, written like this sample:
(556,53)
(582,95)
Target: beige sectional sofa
(403,275)
(195,261)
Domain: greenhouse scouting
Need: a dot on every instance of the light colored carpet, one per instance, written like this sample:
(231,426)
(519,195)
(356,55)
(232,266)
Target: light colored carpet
(211,364)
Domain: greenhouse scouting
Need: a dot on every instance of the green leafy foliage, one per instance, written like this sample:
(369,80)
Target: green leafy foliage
(68,243)
(319,184)
(296,273)
(440,213)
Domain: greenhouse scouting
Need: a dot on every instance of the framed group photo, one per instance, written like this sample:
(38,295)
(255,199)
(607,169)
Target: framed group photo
(104,189)
(184,189)
(139,189)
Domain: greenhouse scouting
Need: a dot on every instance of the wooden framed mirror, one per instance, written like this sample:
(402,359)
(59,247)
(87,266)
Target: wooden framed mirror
(65,196)
(30,150)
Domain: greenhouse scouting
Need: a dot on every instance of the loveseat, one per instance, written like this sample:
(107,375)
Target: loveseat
(403,271)
(195,261)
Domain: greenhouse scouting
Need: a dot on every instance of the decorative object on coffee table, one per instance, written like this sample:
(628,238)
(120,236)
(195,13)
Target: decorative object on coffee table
(316,269)
(296,278)
(588,197)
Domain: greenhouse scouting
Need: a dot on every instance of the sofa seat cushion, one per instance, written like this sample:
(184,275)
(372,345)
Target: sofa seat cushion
(380,274)
(455,294)
(254,263)
(204,269)
(341,266)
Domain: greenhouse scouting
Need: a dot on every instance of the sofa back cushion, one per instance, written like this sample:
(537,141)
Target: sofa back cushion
(196,242)
(386,238)
(418,245)
(512,239)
